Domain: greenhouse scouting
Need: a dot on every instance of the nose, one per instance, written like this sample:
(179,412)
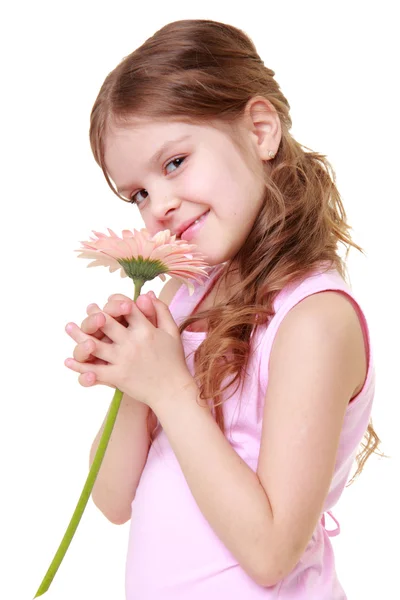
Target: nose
(163,205)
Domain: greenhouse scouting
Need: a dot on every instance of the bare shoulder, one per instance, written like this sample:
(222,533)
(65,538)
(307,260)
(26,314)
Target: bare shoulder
(329,315)
(169,290)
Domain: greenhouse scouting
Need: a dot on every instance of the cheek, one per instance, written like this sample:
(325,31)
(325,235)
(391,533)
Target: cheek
(197,187)
(215,181)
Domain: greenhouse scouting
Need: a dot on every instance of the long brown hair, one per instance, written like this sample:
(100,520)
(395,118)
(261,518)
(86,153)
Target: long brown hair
(202,71)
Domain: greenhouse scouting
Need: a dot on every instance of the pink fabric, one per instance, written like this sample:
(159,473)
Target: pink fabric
(173,553)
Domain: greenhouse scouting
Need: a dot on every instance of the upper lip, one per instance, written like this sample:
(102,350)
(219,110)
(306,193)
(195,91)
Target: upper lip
(187,224)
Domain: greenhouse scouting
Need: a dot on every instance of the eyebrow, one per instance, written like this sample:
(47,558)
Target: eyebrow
(156,157)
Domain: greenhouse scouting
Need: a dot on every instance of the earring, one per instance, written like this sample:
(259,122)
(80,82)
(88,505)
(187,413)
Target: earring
(271,154)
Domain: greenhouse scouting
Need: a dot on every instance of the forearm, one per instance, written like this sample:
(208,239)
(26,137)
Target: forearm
(123,462)
(227,491)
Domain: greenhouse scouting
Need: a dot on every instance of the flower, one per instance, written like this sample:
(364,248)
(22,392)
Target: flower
(142,258)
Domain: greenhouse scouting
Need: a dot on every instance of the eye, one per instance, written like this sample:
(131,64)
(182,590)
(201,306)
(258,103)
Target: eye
(176,162)
(133,198)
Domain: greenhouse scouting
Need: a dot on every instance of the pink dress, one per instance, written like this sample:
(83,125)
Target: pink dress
(173,553)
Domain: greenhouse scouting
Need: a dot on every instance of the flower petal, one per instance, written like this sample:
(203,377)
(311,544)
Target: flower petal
(161,252)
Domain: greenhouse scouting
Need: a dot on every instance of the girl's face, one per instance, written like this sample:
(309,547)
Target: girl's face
(175,172)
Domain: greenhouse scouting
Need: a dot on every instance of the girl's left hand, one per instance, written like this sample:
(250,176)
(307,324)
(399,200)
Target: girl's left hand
(143,361)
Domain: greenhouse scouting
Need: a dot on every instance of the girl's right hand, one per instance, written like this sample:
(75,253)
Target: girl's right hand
(118,306)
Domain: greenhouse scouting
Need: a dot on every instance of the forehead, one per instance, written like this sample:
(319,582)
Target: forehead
(144,133)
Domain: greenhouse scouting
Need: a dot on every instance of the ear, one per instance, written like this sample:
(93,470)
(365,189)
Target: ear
(264,126)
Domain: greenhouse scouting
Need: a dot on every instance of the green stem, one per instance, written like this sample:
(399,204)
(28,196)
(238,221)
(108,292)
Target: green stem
(91,478)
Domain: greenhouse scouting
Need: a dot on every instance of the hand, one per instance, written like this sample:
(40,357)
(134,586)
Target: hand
(144,361)
(118,306)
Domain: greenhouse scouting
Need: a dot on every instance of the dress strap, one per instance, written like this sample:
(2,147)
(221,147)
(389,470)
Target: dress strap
(330,532)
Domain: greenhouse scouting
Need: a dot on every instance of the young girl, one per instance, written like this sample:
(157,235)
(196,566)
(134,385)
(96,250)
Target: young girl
(244,404)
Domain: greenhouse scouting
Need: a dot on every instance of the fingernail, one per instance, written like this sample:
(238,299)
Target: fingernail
(125,306)
(152,294)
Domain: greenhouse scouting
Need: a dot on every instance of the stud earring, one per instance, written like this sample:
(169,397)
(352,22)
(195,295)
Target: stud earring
(271,154)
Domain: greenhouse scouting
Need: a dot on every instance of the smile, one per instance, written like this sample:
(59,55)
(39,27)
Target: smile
(191,231)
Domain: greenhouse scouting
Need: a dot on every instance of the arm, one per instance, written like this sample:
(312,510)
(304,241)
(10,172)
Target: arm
(267,518)
(127,450)
(123,462)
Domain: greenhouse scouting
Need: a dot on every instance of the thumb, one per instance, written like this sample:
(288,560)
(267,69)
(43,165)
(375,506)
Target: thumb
(165,320)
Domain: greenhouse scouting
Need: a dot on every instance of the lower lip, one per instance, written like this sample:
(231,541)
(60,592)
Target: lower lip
(191,231)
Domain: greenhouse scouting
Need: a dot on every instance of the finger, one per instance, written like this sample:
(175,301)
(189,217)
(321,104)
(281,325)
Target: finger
(165,320)
(93,323)
(119,297)
(147,307)
(139,320)
(85,352)
(87,379)
(115,331)
(118,308)
(92,308)
(75,332)
(99,371)
(82,351)
(116,300)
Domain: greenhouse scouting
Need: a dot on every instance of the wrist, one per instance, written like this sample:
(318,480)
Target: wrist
(185,390)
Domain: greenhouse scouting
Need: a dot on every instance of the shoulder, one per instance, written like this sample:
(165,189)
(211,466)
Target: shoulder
(324,325)
(324,307)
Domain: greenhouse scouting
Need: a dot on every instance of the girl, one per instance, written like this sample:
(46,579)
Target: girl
(244,404)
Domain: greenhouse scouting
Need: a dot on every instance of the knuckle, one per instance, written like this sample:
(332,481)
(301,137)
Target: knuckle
(91,323)
(77,354)
(118,298)
(125,305)
(83,380)
(89,346)
(85,325)
(107,308)
(115,308)
(91,308)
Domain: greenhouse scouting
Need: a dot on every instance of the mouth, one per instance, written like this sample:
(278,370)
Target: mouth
(192,224)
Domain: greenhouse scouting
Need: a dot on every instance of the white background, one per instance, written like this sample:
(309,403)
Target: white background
(336,64)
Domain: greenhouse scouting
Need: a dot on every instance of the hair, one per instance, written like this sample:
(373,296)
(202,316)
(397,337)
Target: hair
(205,72)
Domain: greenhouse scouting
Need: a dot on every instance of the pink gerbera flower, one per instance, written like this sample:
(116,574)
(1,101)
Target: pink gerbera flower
(142,257)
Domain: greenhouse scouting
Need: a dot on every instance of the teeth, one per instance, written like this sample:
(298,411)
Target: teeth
(196,221)
(200,218)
